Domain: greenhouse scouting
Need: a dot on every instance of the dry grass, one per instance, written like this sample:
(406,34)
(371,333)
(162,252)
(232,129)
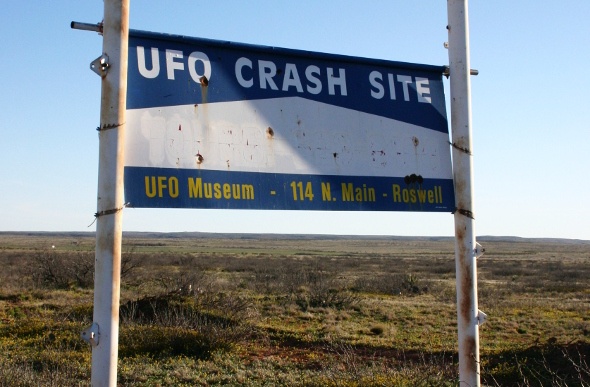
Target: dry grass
(284,312)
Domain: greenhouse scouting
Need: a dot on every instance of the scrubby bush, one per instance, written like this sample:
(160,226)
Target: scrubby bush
(177,323)
(63,270)
(66,269)
(392,284)
(308,286)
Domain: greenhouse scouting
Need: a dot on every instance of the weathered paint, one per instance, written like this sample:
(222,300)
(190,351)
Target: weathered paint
(465,245)
(274,118)
(110,194)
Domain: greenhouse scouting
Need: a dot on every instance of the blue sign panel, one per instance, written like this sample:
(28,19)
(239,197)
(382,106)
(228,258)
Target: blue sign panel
(215,124)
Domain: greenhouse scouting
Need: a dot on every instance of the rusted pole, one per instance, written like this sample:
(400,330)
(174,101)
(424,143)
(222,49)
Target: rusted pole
(466,249)
(112,66)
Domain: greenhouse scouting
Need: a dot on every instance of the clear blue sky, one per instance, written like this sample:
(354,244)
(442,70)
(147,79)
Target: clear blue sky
(531,120)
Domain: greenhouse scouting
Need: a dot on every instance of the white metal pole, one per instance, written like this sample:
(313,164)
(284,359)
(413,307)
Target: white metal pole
(113,69)
(466,249)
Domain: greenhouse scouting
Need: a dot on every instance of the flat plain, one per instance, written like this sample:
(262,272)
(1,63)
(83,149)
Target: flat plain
(279,310)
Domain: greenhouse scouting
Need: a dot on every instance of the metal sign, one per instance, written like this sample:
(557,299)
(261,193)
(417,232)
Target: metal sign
(214,124)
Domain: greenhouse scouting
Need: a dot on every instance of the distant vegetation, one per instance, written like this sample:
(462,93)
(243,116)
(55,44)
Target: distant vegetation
(294,311)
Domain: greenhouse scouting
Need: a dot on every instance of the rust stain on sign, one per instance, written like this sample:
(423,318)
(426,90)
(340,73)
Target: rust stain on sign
(204,88)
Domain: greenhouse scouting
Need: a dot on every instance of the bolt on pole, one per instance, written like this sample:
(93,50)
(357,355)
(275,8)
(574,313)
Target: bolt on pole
(109,217)
(466,249)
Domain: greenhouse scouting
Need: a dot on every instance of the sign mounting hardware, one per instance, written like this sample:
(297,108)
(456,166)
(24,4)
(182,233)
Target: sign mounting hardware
(100,65)
(91,334)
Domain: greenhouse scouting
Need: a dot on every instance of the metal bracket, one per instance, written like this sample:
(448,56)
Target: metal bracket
(479,250)
(481,317)
(91,335)
(87,26)
(100,65)
(447,69)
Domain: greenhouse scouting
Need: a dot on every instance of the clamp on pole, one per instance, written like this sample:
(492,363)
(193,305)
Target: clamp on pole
(100,65)
(481,317)
(447,70)
(91,334)
(479,250)
(87,26)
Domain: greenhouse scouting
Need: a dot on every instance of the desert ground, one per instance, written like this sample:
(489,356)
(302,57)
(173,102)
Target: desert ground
(283,310)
